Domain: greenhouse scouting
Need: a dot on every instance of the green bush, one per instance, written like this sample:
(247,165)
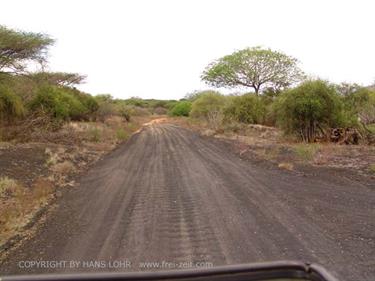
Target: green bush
(89,102)
(75,109)
(47,101)
(182,108)
(308,108)
(207,103)
(62,103)
(247,108)
(11,106)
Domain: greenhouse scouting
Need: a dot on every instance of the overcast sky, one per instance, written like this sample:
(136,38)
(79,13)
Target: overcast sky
(158,48)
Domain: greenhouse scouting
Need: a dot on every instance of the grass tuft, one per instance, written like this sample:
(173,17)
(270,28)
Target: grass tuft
(306,152)
(8,187)
(95,134)
(121,135)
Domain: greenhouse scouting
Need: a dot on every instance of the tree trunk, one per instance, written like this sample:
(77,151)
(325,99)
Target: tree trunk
(256,88)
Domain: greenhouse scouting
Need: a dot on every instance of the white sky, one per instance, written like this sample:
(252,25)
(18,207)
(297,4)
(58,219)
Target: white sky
(158,48)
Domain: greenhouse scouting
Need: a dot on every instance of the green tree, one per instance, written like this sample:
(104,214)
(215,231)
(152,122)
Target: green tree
(309,108)
(255,67)
(18,48)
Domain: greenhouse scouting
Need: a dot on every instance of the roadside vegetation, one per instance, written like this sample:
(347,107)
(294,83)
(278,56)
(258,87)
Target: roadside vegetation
(50,131)
(282,96)
(285,117)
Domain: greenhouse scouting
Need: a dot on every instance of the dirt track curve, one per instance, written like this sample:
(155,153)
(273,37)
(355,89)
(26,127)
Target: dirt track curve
(171,195)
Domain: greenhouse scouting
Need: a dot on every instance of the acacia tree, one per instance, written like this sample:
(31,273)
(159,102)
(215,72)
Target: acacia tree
(256,68)
(58,78)
(18,48)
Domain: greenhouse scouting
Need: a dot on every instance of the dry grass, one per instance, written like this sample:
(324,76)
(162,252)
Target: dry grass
(94,134)
(65,167)
(52,158)
(306,152)
(121,135)
(21,205)
(42,189)
(111,131)
(5,145)
(286,166)
(8,187)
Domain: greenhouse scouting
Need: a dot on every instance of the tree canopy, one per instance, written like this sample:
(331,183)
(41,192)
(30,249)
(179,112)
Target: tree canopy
(255,67)
(58,78)
(18,48)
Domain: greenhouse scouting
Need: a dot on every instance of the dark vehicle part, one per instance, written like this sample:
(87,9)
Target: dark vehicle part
(245,272)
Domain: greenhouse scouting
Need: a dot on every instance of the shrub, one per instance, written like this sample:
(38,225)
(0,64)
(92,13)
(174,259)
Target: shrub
(206,104)
(106,107)
(160,110)
(11,106)
(125,112)
(46,101)
(74,108)
(139,111)
(247,108)
(105,110)
(60,103)
(89,102)
(308,109)
(182,108)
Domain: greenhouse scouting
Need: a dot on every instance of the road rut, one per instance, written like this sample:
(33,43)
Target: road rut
(170,195)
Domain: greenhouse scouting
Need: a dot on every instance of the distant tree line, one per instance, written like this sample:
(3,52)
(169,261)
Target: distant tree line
(280,94)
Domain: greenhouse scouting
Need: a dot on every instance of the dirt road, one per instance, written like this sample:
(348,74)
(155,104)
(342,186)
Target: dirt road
(169,195)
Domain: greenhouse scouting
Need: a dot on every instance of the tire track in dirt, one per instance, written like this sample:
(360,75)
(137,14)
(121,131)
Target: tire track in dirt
(170,195)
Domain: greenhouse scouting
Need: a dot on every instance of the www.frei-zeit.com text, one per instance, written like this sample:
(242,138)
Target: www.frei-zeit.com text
(116,264)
